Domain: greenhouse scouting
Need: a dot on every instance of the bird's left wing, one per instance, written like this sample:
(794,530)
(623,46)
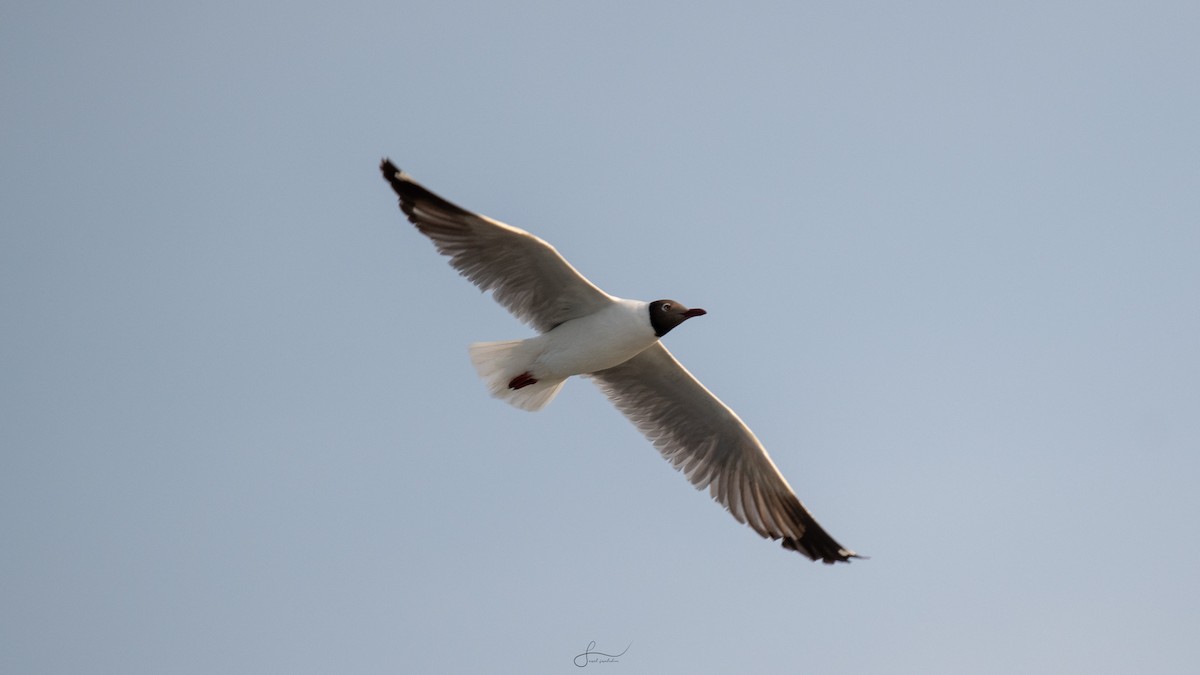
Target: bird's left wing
(525,274)
(705,440)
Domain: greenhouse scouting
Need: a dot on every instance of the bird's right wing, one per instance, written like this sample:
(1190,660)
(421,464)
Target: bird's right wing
(525,274)
(705,440)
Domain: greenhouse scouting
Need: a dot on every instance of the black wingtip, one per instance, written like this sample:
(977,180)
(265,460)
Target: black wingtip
(401,183)
(816,544)
(410,192)
(391,173)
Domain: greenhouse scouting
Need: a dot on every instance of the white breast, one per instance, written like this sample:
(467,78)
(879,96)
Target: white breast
(602,340)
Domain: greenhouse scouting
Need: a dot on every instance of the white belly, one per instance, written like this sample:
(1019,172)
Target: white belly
(591,343)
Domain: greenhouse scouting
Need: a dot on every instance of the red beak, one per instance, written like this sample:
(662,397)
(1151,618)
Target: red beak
(694,312)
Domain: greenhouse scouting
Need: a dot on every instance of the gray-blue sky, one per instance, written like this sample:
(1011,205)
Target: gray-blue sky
(950,255)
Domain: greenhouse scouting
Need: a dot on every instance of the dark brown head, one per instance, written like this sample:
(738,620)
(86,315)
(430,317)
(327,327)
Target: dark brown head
(666,314)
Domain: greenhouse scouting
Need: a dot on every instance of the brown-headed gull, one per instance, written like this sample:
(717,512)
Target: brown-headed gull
(615,342)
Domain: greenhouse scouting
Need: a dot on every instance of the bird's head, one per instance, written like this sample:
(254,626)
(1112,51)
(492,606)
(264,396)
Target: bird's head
(666,314)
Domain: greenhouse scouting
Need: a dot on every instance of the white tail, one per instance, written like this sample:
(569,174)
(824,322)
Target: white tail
(499,362)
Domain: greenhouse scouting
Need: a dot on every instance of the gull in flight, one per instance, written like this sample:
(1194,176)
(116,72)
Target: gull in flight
(616,343)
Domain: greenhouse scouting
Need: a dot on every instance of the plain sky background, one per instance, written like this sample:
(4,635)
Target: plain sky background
(950,253)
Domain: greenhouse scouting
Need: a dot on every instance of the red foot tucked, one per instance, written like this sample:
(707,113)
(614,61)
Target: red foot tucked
(523,380)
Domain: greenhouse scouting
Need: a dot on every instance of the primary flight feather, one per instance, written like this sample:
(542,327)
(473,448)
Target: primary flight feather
(615,342)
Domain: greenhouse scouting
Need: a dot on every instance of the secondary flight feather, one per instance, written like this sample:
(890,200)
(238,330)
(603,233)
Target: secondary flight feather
(615,342)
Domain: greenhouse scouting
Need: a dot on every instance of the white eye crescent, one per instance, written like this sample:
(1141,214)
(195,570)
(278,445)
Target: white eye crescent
(666,306)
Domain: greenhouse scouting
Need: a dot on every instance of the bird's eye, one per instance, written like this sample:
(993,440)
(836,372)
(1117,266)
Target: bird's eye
(666,306)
